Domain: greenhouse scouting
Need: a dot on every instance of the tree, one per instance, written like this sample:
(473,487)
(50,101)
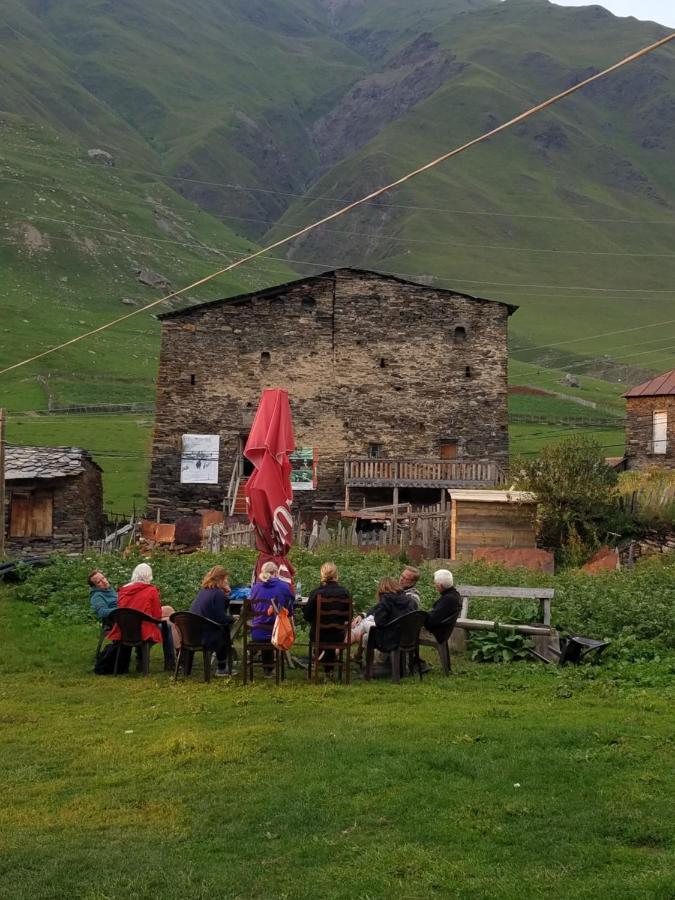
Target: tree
(577,493)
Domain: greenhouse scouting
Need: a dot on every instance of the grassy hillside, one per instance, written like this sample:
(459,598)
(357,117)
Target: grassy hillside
(232,122)
(73,235)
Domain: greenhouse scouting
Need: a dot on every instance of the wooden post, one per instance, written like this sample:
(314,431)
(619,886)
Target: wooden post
(453,529)
(394,518)
(2,483)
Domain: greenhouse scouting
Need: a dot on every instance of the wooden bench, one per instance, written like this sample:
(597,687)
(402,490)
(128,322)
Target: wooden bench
(543,634)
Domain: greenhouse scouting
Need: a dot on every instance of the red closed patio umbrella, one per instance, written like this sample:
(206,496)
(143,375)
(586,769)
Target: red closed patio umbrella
(269,494)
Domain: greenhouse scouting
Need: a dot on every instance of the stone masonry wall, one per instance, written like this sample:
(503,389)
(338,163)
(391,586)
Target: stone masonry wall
(77,503)
(365,359)
(640,431)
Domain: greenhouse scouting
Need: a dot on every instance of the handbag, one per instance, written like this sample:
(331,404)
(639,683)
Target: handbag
(283,632)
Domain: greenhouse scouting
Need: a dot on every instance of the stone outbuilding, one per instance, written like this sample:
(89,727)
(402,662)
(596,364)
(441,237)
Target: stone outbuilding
(54,500)
(650,423)
(394,386)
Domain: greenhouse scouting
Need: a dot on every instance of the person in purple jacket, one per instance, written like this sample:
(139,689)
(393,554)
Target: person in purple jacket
(212,603)
(268,588)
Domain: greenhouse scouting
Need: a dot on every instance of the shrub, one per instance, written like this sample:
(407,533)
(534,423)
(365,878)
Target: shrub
(578,498)
(500,645)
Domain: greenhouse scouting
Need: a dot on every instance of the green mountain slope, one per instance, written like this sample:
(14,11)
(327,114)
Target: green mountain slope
(226,117)
(569,215)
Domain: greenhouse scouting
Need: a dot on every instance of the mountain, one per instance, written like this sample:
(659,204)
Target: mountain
(233,121)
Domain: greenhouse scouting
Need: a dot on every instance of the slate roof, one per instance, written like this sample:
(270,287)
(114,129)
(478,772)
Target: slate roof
(661,386)
(44,462)
(311,279)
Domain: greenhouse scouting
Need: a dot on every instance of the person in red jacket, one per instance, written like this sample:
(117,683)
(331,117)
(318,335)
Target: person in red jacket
(142,595)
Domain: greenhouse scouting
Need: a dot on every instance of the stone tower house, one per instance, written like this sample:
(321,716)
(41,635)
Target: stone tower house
(650,423)
(376,368)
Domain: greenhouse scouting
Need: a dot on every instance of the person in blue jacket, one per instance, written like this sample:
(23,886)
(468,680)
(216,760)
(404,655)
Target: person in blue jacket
(268,588)
(213,603)
(102,596)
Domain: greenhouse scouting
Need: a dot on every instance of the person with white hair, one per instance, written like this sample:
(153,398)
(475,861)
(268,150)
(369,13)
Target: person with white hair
(141,594)
(448,604)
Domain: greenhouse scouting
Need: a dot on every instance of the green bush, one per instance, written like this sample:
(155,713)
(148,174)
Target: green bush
(500,645)
(634,606)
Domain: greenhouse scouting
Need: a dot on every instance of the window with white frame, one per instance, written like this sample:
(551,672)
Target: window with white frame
(659,433)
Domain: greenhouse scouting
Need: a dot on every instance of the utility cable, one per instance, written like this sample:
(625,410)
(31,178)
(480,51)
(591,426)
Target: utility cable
(356,203)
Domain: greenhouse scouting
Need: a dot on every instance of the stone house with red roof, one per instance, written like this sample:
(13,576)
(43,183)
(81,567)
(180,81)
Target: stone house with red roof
(650,423)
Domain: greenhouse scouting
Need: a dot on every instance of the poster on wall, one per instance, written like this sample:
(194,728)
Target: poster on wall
(303,469)
(199,459)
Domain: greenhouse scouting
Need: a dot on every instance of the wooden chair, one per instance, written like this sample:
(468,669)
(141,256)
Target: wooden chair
(440,641)
(251,648)
(192,628)
(332,613)
(130,622)
(405,630)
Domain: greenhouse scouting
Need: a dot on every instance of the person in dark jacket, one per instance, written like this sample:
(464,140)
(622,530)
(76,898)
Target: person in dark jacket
(102,596)
(449,603)
(329,588)
(212,603)
(392,602)
(268,588)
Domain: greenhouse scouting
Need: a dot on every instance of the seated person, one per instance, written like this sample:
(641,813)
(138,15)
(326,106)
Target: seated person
(329,588)
(392,602)
(409,578)
(102,596)
(449,603)
(269,587)
(140,594)
(212,603)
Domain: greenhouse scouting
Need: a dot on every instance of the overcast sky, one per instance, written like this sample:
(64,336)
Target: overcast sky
(662,11)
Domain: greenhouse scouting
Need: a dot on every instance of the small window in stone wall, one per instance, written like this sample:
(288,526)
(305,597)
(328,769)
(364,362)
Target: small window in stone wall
(383,363)
(460,334)
(375,451)
(265,358)
(308,302)
(467,371)
(193,379)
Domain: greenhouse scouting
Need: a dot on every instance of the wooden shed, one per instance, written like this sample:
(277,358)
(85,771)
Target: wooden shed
(54,500)
(491,519)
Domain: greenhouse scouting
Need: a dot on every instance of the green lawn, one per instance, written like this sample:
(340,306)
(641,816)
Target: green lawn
(503,781)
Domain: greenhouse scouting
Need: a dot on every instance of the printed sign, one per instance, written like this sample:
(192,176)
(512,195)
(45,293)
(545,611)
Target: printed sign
(303,469)
(199,459)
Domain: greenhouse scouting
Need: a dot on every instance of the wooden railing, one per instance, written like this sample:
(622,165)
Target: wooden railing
(415,472)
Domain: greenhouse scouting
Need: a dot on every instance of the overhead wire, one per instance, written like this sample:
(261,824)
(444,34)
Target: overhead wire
(380,205)
(368,197)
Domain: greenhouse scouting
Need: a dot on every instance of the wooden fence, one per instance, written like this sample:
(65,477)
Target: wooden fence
(425,530)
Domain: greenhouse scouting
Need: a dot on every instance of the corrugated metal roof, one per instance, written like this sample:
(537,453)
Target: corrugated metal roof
(493,496)
(44,462)
(661,386)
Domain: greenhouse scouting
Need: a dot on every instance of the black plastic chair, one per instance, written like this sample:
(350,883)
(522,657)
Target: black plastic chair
(575,649)
(192,628)
(104,629)
(251,649)
(440,641)
(405,631)
(334,614)
(130,623)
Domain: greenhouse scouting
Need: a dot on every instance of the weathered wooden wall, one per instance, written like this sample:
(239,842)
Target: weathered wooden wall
(483,524)
(365,358)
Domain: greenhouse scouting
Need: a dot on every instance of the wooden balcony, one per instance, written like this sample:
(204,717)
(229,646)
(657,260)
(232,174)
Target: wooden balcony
(421,473)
